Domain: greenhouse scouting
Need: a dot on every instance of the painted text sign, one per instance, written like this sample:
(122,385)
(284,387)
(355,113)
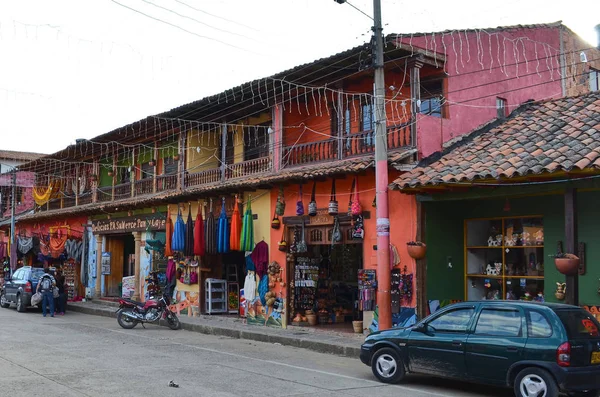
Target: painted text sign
(129,224)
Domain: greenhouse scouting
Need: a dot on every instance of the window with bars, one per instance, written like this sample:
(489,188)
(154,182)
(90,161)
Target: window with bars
(432,97)
(594,80)
(256,141)
(147,171)
(501,107)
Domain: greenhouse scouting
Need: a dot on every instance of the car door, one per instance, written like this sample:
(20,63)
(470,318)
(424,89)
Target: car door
(12,285)
(497,341)
(440,349)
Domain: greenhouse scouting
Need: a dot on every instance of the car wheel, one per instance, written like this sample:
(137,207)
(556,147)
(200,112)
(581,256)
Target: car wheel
(20,306)
(3,302)
(387,365)
(535,382)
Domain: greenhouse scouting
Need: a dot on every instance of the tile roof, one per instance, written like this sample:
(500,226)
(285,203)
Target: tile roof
(537,138)
(292,175)
(26,156)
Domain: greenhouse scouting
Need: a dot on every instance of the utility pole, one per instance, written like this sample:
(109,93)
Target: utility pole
(13,259)
(384,274)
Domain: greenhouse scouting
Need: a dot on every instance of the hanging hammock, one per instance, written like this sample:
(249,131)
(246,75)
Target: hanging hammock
(189,233)
(247,238)
(236,228)
(210,232)
(223,231)
(41,195)
(199,243)
(24,244)
(178,242)
(168,234)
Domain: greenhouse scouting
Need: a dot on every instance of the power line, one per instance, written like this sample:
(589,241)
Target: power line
(216,16)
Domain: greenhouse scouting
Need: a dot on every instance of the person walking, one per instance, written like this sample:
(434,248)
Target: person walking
(46,285)
(61,302)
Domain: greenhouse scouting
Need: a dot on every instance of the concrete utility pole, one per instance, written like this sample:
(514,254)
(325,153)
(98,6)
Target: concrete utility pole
(384,274)
(13,259)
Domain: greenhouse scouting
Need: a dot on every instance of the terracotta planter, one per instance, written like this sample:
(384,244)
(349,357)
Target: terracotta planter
(417,251)
(312,319)
(567,266)
(176,157)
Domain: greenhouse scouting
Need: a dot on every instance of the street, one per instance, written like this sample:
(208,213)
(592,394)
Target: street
(84,355)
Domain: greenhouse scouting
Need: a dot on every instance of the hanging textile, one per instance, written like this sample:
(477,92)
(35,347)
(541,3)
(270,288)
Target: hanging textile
(223,231)
(3,250)
(250,287)
(24,244)
(168,234)
(189,233)
(247,238)
(35,249)
(178,242)
(236,228)
(199,243)
(210,232)
(260,258)
(170,273)
(57,244)
(74,249)
(41,195)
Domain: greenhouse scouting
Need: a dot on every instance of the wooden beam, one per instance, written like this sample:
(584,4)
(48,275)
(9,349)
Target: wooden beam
(421,269)
(572,297)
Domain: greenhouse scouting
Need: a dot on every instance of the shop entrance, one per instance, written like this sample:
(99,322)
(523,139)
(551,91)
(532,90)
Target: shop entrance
(326,282)
(122,261)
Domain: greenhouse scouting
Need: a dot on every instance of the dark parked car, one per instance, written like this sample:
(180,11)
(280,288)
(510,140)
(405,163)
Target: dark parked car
(537,349)
(20,287)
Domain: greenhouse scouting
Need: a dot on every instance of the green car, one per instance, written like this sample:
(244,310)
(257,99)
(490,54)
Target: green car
(535,348)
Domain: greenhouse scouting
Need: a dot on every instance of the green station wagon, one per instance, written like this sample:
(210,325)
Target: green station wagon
(537,349)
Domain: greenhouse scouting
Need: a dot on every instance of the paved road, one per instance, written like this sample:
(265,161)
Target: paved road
(83,355)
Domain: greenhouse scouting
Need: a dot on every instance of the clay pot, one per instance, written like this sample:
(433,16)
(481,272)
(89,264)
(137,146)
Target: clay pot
(417,251)
(110,173)
(358,326)
(312,319)
(567,266)
(559,295)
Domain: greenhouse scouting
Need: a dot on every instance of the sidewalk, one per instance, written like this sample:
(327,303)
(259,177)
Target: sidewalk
(323,341)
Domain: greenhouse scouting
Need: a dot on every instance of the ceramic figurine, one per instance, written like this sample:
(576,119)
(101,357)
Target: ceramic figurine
(491,242)
(539,297)
(511,269)
(527,296)
(539,237)
(509,241)
(510,295)
(499,240)
(526,238)
(498,268)
(561,289)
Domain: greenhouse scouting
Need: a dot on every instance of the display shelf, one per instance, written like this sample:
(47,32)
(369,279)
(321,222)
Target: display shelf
(505,249)
(216,299)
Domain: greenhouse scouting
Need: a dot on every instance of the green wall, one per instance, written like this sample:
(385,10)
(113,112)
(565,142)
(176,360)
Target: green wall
(588,229)
(445,238)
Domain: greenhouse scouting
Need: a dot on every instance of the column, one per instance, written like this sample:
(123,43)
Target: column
(572,281)
(98,292)
(136,272)
(415,66)
(277,137)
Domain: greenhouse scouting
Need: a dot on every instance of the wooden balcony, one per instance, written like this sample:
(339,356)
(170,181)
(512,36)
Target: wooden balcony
(309,153)
(166,182)
(143,186)
(248,168)
(203,177)
(104,194)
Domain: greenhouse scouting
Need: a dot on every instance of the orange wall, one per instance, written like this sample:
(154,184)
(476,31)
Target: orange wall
(402,217)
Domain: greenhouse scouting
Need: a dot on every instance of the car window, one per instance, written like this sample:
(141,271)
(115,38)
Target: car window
(18,274)
(453,321)
(538,326)
(36,274)
(579,324)
(499,322)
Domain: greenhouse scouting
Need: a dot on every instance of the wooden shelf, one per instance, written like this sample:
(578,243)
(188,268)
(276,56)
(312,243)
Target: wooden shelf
(523,246)
(483,276)
(485,247)
(527,277)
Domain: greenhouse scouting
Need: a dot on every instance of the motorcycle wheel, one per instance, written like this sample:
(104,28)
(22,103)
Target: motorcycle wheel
(173,321)
(125,322)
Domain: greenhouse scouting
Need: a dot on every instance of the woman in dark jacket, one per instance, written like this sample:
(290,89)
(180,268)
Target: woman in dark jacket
(60,303)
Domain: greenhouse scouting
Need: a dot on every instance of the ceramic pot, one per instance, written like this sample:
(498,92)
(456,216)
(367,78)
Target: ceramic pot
(312,319)
(567,266)
(417,251)
(559,295)
(358,326)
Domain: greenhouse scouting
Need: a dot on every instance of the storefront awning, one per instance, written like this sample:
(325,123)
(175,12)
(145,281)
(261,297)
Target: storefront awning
(554,139)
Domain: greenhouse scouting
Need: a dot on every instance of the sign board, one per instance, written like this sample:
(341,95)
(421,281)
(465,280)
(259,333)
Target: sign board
(129,224)
(322,218)
(105,263)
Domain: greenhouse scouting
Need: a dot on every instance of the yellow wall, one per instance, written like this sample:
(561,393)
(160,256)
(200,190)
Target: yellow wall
(204,160)
(238,136)
(261,206)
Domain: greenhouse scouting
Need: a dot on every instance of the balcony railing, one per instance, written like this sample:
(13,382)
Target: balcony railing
(104,193)
(166,182)
(203,177)
(85,198)
(248,168)
(143,186)
(312,152)
(122,191)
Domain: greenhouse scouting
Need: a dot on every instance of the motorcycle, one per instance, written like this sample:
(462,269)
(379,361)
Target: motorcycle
(132,313)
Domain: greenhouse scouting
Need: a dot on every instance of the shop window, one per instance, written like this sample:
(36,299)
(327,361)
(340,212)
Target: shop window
(432,97)
(495,322)
(594,80)
(501,108)
(147,171)
(453,321)
(538,326)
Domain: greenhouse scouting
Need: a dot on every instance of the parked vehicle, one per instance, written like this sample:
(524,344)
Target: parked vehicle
(132,312)
(537,349)
(20,287)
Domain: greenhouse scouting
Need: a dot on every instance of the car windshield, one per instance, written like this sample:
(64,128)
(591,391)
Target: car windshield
(36,274)
(579,324)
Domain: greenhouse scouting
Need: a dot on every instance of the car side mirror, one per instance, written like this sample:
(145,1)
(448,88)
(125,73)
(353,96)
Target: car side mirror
(422,328)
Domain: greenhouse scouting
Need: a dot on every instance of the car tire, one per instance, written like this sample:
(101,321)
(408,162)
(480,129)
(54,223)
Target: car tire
(387,365)
(3,302)
(535,381)
(20,305)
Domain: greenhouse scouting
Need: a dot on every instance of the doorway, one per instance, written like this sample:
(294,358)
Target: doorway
(122,251)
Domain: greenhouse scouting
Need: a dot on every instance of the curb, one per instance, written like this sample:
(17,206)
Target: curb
(314,345)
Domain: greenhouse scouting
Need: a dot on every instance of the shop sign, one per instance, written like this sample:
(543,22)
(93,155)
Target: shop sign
(322,218)
(129,224)
(105,263)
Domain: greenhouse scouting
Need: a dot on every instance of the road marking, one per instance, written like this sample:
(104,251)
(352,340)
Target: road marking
(371,382)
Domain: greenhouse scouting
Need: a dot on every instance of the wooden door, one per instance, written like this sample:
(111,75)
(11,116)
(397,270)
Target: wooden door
(116,247)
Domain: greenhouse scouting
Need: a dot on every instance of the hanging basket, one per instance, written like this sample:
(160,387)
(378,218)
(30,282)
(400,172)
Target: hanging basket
(416,251)
(569,265)
(312,205)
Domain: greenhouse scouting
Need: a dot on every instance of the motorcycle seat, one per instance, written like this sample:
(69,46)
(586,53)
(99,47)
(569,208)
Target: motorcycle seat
(137,303)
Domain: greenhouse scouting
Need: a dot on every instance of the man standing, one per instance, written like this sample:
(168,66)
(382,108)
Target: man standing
(46,286)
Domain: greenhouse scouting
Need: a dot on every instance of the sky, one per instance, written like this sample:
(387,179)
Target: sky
(79,68)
